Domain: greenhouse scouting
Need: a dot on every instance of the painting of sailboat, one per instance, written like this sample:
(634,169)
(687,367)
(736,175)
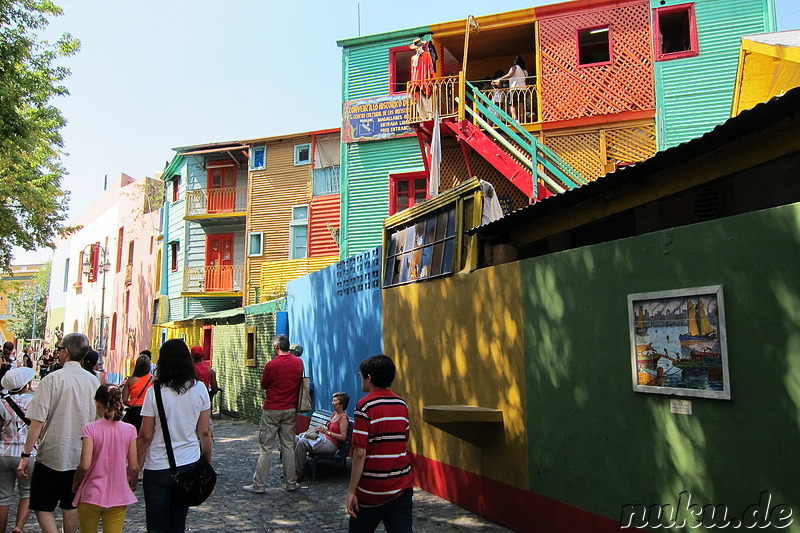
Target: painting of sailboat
(678,342)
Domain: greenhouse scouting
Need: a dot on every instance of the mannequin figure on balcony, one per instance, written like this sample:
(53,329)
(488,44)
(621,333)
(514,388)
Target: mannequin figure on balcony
(516,81)
(421,84)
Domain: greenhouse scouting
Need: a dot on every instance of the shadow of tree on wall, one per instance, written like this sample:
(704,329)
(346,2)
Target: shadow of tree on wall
(596,444)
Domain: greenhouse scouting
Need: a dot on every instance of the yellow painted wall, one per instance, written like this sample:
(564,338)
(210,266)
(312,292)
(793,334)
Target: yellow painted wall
(764,71)
(193,330)
(276,274)
(465,346)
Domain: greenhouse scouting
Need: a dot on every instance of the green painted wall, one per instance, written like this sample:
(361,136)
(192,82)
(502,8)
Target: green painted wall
(242,384)
(694,94)
(596,444)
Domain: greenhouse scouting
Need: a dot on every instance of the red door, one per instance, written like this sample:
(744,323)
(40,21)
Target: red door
(221,187)
(219,262)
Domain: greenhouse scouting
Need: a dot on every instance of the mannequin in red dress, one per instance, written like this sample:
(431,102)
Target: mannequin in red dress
(421,86)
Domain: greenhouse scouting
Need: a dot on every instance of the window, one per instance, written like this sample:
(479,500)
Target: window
(399,68)
(66,274)
(119,248)
(421,249)
(298,232)
(130,252)
(302,154)
(594,46)
(258,157)
(250,346)
(675,32)
(407,189)
(255,244)
(173,256)
(176,184)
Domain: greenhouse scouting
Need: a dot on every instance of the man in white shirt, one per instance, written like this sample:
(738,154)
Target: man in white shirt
(62,405)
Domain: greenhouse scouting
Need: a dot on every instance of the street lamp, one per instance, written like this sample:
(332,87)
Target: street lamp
(95,260)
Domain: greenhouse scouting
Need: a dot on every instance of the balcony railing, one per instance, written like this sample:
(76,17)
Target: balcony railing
(518,103)
(226,278)
(427,96)
(216,201)
(326,180)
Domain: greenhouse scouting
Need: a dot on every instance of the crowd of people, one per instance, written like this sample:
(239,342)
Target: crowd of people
(83,445)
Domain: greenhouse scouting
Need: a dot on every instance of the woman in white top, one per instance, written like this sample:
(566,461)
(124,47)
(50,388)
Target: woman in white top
(516,77)
(188,411)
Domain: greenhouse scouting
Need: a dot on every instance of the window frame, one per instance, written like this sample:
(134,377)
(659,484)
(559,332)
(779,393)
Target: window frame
(394,180)
(393,53)
(297,148)
(173,255)
(694,46)
(250,345)
(176,186)
(250,236)
(253,151)
(295,223)
(591,29)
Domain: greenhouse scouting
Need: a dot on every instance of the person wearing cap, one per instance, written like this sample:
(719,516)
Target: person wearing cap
(17,382)
(62,404)
(205,373)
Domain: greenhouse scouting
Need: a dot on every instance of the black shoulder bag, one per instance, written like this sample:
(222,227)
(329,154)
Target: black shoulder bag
(16,408)
(133,414)
(194,486)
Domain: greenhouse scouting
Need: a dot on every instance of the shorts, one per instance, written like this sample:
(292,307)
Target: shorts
(50,488)
(9,479)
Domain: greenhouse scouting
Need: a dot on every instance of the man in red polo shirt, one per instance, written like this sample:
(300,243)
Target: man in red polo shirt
(281,379)
(380,481)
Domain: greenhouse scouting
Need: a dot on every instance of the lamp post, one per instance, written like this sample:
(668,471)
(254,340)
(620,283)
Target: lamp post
(95,260)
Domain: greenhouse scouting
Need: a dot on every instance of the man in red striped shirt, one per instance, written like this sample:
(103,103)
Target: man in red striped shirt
(380,482)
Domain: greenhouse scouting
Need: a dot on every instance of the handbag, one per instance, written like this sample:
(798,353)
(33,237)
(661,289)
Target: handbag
(133,414)
(304,396)
(192,487)
(311,434)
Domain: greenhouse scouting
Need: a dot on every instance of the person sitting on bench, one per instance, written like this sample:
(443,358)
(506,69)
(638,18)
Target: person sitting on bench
(323,439)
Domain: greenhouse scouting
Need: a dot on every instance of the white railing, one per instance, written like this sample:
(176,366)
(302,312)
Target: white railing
(519,103)
(226,278)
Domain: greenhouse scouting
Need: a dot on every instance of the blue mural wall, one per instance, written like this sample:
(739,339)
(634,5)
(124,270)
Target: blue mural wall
(335,314)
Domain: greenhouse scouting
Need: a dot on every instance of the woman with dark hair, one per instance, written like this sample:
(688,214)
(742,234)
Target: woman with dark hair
(90,362)
(188,411)
(516,77)
(134,389)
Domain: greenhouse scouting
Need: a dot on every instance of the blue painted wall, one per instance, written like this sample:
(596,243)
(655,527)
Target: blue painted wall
(335,313)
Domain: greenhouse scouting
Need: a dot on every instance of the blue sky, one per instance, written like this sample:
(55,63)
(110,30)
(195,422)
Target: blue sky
(151,75)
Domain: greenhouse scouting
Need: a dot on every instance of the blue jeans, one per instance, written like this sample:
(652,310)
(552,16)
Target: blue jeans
(395,515)
(162,515)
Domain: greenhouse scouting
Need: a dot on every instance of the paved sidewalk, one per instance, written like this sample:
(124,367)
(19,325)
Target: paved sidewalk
(317,506)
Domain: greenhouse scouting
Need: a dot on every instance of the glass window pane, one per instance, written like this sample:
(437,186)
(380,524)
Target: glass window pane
(451,223)
(402,202)
(447,261)
(392,245)
(300,213)
(427,257)
(430,230)
(402,185)
(409,239)
(255,244)
(420,184)
(405,267)
(441,225)
(436,261)
(401,240)
(419,234)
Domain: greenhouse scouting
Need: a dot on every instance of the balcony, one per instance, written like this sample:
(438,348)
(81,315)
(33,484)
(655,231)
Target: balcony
(326,180)
(213,279)
(216,203)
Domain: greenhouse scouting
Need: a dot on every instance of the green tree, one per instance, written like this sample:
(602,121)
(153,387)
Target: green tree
(27,301)
(34,205)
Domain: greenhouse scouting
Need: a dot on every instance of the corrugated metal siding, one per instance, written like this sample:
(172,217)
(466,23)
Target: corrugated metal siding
(694,94)
(273,192)
(175,309)
(176,232)
(324,213)
(275,275)
(367,203)
(198,306)
(367,69)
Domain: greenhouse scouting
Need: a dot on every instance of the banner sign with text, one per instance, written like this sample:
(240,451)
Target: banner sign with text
(371,119)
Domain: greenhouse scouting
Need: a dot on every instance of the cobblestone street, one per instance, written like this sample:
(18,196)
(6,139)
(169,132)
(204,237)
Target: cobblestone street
(317,506)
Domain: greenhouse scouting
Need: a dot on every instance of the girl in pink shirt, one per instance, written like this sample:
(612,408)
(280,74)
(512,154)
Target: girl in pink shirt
(106,475)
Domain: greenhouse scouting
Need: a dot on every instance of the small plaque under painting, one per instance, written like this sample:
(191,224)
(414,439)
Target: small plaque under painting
(680,407)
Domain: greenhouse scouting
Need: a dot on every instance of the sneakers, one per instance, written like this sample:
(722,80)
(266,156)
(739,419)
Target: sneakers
(253,489)
(293,486)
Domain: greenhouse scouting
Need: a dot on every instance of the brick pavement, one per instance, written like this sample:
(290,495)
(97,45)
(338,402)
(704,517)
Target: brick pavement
(317,506)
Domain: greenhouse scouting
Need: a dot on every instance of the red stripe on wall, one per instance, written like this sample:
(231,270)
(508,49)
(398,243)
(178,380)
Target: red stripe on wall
(509,506)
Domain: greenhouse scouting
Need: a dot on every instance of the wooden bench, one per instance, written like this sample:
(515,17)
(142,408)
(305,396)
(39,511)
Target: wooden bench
(321,418)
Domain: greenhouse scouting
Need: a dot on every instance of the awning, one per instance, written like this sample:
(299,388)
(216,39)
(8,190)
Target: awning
(216,150)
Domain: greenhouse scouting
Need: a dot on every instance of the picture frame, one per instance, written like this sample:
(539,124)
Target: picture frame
(678,343)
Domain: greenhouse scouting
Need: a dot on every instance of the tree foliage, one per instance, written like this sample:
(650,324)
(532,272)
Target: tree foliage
(27,301)
(34,205)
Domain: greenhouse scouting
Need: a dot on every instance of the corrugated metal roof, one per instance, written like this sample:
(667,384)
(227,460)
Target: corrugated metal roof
(221,314)
(779,38)
(215,150)
(758,118)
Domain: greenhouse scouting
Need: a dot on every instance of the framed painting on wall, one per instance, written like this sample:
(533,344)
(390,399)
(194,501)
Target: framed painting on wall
(678,344)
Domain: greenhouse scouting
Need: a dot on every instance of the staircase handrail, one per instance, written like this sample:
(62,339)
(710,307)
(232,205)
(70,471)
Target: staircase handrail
(501,120)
